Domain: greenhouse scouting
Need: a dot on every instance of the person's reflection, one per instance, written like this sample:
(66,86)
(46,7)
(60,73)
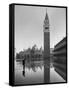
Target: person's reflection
(23,63)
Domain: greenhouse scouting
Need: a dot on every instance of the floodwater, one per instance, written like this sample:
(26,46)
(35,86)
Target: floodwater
(30,73)
(33,73)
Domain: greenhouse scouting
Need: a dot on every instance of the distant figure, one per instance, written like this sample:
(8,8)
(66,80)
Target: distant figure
(23,63)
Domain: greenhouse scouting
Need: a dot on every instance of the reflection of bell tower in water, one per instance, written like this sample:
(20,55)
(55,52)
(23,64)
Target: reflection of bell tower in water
(46,49)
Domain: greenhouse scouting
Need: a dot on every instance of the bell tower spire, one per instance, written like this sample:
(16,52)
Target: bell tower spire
(46,22)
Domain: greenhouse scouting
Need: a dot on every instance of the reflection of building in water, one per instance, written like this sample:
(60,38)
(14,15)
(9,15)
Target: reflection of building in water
(34,65)
(46,49)
(60,60)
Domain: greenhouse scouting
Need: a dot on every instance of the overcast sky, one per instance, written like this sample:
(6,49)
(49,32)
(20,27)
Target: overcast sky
(29,26)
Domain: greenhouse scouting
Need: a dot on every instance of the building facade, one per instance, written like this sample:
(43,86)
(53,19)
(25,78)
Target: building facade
(60,58)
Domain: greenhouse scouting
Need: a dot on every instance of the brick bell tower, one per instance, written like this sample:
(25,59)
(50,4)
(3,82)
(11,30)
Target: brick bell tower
(46,30)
